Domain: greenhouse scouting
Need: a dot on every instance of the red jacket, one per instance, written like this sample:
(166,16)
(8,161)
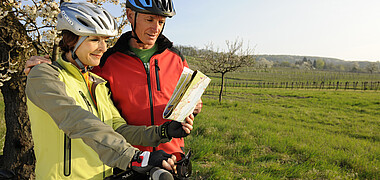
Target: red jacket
(141,96)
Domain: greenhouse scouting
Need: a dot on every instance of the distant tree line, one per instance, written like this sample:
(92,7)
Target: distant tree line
(320,63)
(265,62)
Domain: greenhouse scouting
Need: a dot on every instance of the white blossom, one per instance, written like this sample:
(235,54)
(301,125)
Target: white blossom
(39,17)
(7,79)
(12,70)
(13,64)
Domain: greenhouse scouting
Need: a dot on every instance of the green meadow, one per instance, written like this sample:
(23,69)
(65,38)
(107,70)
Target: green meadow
(261,133)
(287,134)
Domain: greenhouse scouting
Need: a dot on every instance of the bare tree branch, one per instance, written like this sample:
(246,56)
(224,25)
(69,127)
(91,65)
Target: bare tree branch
(223,62)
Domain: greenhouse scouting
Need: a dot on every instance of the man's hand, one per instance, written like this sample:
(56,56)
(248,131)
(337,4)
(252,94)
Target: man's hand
(35,60)
(198,107)
(174,129)
(144,161)
(187,126)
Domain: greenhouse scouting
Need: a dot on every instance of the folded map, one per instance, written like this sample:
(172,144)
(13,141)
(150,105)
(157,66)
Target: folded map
(187,93)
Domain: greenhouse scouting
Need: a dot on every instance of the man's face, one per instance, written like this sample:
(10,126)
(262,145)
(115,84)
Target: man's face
(148,27)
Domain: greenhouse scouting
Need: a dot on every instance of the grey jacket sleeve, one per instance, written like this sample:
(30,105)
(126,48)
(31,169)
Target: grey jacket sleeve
(136,135)
(142,135)
(45,90)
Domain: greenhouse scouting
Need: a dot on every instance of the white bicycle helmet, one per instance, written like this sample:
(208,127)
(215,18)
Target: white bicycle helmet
(86,19)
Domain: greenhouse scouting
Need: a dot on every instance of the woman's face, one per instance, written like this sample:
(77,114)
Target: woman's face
(91,50)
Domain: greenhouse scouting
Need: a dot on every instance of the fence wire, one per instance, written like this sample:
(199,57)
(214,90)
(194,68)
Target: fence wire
(334,85)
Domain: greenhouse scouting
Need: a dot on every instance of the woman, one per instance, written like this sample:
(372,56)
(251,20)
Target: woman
(77,131)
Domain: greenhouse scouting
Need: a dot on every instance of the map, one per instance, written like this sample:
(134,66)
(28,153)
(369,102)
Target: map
(187,93)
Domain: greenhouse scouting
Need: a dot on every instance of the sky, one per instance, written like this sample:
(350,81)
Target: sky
(343,29)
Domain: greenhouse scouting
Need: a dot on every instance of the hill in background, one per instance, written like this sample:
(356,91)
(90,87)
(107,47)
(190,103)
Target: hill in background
(293,59)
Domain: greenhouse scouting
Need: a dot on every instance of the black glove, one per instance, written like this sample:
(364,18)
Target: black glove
(144,161)
(172,129)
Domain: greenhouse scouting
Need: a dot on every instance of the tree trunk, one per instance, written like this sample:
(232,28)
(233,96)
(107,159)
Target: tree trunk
(221,89)
(18,154)
(18,151)
(55,54)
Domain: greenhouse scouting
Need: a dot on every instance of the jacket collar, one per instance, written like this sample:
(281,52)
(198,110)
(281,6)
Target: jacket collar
(122,45)
(75,72)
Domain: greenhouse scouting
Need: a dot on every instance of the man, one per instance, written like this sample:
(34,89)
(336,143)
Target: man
(142,70)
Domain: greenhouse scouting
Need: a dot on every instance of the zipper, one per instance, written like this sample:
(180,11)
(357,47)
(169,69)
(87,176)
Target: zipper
(67,144)
(86,100)
(94,84)
(150,97)
(150,100)
(82,94)
(67,156)
(157,75)
(150,91)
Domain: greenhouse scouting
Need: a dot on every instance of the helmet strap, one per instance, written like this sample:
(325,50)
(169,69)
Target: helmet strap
(162,30)
(81,66)
(134,30)
(75,57)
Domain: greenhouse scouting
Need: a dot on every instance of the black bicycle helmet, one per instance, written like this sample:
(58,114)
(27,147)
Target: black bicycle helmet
(158,7)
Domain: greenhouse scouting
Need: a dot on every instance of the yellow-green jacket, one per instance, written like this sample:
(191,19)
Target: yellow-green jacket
(75,138)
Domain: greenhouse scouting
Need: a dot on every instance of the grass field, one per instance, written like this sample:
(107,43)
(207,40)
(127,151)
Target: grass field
(288,134)
(284,134)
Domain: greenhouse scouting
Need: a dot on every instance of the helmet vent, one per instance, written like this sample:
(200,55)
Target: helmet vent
(159,4)
(104,23)
(165,5)
(170,8)
(108,16)
(97,22)
(148,2)
(84,22)
(83,10)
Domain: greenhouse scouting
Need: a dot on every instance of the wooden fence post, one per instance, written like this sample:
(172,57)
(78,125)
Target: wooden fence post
(337,85)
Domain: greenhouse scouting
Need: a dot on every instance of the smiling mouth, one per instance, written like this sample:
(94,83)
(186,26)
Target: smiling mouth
(97,55)
(151,36)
